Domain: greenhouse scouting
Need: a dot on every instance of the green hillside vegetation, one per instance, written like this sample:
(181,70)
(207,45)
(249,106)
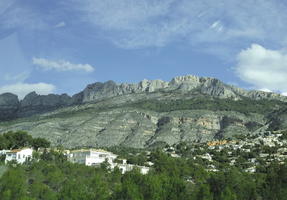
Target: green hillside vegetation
(54,178)
(245,105)
(3,169)
(20,139)
(207,103)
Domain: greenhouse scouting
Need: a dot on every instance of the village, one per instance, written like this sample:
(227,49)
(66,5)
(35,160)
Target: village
(247,152)
(231,159)
(88,157)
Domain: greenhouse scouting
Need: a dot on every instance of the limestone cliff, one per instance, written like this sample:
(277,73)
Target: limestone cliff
(188,108)
(184,84)
(9,105)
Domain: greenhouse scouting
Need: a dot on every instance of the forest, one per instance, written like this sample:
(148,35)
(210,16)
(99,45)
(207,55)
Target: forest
(49,176)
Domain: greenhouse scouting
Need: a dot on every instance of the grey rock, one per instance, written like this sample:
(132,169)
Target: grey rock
(184,84)
(9,105)
(133,127)
(35,104)
(99,91)
(102,115)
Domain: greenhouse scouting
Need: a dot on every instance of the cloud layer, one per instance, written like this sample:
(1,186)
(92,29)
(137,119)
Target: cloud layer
(22,89)
(153,23)
(146,23)
(61,65)
(263,68)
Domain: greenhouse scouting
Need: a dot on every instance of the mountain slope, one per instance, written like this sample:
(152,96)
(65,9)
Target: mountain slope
(141,115)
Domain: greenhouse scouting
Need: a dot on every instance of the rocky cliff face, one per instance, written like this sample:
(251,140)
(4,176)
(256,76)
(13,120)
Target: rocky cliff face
(138,115)
(34,103)
(184,84)
(9,105)
(89,125)
(99,91)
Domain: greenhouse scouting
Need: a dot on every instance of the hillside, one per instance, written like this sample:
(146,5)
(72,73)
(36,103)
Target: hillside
(147,114)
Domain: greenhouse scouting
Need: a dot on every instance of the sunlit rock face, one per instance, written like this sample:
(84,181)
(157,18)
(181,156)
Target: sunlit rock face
(109,114)
(183,84)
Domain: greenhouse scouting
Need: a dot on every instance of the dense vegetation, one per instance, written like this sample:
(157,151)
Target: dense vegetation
(244,106)
(53,177)
(20,139)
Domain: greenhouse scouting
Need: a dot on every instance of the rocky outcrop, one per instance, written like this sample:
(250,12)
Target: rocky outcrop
(99,91)
(9,105)
(108,114)
(132,127)
(35,104)
(184,84)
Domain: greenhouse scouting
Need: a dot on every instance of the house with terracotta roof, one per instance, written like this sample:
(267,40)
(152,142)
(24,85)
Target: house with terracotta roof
(19,155)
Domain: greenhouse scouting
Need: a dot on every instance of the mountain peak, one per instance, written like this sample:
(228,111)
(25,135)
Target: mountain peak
(188,85)
(184,84)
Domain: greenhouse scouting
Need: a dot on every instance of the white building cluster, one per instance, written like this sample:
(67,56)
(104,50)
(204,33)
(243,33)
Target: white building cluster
(88,157)
(91,157)
(19,155)
(95,157)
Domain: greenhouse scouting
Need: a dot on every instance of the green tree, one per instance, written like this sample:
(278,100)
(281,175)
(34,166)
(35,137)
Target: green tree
(40,143)
(99,187)
(228,194)
(39,190)
(72,190)
(3,142)
(13,184)
(204,193)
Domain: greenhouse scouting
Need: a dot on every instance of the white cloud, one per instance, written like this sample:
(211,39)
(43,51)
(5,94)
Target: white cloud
(60,25)
(22,89)
(61,65)
(17,77)
(149,23)
(21,16)
(217,26)
(263,68)
(265,90)
(157,23)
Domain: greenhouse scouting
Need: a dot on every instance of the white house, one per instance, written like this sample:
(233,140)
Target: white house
(91,157)
(94,157)
(129,167)
(3,152)
(19,155)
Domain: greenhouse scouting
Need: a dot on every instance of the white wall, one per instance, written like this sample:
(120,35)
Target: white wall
(20,156)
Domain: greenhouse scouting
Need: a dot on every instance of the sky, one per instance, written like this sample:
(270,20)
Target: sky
(60,46)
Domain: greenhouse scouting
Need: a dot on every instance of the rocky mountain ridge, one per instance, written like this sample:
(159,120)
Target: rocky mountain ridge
(184,84)
(150,113)
(11,107)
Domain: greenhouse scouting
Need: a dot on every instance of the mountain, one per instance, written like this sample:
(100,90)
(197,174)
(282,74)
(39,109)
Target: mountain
(150,113)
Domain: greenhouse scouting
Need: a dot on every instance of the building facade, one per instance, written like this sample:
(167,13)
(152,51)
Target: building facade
(91,157)
(19,155)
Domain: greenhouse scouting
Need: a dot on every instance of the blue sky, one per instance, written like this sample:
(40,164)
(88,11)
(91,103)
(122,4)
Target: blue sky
(60,46)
